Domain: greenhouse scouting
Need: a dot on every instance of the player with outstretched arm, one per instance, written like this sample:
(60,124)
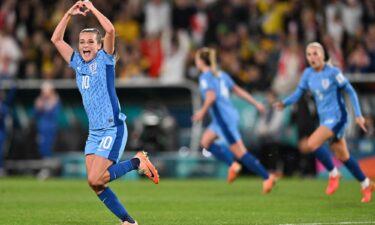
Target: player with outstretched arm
(325,82)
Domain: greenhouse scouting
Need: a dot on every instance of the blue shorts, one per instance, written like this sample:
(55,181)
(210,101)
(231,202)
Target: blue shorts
(108,143)
(336,125)
(228,131)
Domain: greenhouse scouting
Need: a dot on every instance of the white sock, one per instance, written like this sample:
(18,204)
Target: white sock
(365,183)
(334,172)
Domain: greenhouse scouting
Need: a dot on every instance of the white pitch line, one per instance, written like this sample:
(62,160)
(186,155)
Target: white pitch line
(367,222)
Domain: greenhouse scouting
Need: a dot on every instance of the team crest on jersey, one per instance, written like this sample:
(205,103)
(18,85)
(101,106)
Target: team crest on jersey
(325,83)
(93,67)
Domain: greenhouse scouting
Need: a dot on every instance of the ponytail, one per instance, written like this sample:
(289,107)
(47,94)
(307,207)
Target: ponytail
(208,56)
(213,66)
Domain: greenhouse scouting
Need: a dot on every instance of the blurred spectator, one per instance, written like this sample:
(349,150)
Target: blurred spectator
(183,12)
(246,44)
(31,71)
(370,46)
(157,16)
(151,48)
(290,66)
(273,12)
(131,64)
(311,26)
(293,19)
(334,22)
(368,17)
(8,15)
(359,60)
(351,15)
(333,50)
(32,53)
(127,28)
(24,20)
(250,77)
(230,62)
(52,67)
(175,53)
(199,23)
(10,54)
(47,108)
(6,100)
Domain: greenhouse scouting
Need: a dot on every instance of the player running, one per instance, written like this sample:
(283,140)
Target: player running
(216,87)
(94,64)
(325,82)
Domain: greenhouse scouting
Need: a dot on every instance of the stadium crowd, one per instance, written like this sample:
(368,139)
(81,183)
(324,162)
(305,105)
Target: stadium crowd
(260,42)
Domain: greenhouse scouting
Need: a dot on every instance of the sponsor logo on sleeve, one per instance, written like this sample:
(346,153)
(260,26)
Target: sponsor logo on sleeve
(340,78)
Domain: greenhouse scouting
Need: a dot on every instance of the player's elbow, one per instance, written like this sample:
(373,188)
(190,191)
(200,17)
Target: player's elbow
(110,31)
(55,40)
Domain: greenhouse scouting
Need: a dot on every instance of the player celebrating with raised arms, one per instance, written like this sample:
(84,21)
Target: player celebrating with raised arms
(94,64)
(325,82)
(215,87)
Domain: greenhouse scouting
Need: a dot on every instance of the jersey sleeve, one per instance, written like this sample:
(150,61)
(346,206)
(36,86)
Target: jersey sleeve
(296,95)
(74,60)
(303,82)
(109,59)
(353,98)
(206,83)
(340,79)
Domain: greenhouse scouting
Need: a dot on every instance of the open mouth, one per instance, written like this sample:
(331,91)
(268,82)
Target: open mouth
(86,53)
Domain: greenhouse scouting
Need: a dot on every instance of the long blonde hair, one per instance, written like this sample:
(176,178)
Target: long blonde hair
(208,56)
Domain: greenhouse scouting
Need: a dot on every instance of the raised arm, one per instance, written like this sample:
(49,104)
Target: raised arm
(109,37)
(248,97)
(58,35)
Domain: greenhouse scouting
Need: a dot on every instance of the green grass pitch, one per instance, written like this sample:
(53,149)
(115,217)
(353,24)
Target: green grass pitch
(182,202)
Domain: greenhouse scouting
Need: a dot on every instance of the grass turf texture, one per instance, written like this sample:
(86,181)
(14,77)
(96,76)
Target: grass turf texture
(179,202)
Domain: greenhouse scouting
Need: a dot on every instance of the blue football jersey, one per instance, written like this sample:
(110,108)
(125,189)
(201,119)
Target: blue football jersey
(222,85)
(326,87)
(96,83)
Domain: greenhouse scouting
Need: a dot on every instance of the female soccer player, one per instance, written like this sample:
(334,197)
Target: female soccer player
(94,64)
(216,87)
(325,82)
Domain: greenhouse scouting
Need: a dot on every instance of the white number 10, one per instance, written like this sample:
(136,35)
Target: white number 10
(85,82)
(106,142)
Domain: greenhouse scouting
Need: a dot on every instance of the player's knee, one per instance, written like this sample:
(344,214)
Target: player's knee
(311,146)
(302,146)
(95,182)
(342,156)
